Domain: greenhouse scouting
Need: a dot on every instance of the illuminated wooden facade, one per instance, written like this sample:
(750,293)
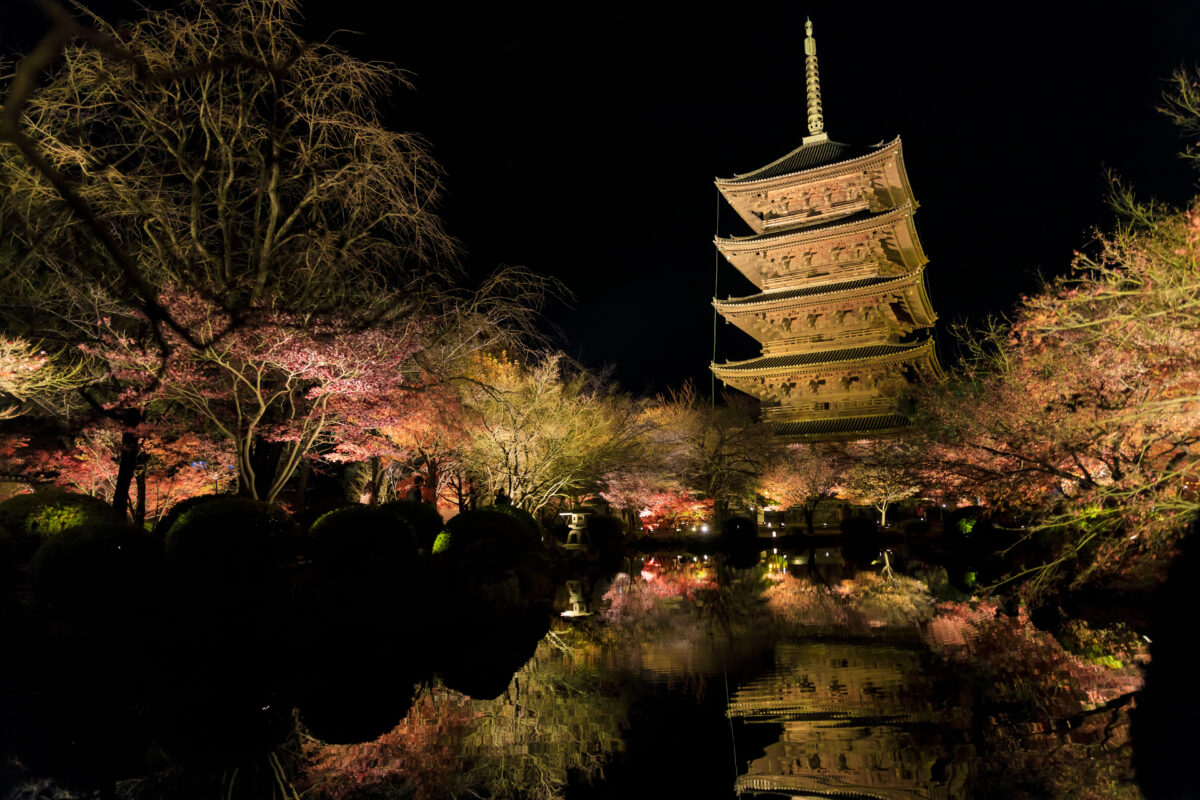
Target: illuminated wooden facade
(842,314)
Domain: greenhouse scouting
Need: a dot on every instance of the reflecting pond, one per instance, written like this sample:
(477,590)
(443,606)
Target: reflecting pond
(798,676)
(774,673)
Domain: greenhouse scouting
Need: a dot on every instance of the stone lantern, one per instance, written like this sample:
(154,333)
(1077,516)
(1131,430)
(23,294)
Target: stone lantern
(577,538)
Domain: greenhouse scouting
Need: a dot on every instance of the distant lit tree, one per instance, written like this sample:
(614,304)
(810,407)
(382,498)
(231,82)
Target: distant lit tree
(882,473)
(719,451)
(175,464)
(802,476)
(545,431)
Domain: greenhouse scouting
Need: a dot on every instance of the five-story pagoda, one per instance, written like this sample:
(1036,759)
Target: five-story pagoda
(843,316)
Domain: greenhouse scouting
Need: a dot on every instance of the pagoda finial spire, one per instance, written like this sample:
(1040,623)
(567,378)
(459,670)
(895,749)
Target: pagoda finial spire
(812,81)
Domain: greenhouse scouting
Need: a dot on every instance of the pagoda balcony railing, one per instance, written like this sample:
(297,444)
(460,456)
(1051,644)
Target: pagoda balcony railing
(828,339)
(835,410)
(831,274)
(813,216)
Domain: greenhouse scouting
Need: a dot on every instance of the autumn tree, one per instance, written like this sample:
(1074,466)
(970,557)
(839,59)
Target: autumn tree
(217,202)
(882,473)
(1083,411)
(229,156)
(718,451)
(802,476)
(544,431)
(652,499)
(175,464)
(31,378)
(393,435)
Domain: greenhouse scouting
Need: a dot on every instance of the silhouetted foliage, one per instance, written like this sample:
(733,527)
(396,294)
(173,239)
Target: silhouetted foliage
(362,550)
(739,529)
(424,518)
(486,534)
(98,574)
(176,511)
(32,518)
(605,530)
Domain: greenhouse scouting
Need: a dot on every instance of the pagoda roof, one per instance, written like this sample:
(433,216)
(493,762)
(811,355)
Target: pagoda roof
(809,291)
(814,231)
(790,360)
(810,155)
(839,425)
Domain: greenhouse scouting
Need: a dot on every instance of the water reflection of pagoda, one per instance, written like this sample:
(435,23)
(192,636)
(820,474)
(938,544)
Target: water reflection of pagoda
(857,719)
(843,315)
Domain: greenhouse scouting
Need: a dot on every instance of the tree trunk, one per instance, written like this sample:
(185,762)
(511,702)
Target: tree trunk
(264,460)
(721,511)
(374,480)
(432,476)
(883,507)
(810,510)
(131,448)
(302,485)
(139,508)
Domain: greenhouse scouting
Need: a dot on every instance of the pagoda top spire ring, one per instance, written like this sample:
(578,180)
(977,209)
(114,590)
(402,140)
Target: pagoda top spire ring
(812,82)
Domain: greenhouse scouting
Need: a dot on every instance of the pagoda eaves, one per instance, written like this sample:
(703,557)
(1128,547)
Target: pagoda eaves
(871,179)
(865,311)
(867,245)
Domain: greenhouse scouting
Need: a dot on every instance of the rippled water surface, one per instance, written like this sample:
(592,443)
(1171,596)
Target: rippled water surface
(797,677)
(777,673)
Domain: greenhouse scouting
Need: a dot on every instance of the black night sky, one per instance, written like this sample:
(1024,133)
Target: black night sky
(581,140)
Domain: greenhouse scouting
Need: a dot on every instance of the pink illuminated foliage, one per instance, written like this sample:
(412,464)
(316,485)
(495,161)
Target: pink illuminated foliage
(276,377)
(1084,413)
(658,505)
(174,465)
(419,753)
(803,475)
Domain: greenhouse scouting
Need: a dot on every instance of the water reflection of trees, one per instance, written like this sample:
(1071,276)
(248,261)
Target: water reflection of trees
(873,688)
(558,720)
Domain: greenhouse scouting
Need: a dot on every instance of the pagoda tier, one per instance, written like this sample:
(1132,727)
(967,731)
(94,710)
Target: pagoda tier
(843,315)
(819,181)
(863,246)
(877,310)
(827,384)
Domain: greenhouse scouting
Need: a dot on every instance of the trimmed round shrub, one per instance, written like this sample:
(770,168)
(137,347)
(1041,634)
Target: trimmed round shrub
(914,527)
(509,643)
(98,572)
(441,544)
(490,534)
(230,542)
(523,516)
(358,705)
(85,729)
(219,723)
(424,519)
(179,509)
(32,518)
(363,542)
